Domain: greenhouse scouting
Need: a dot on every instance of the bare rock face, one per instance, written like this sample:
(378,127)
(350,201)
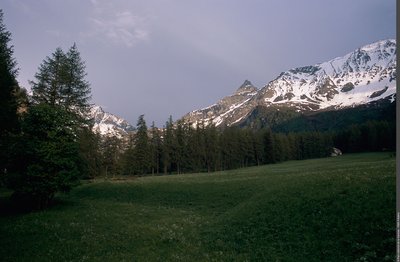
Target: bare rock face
(379,92)
(347,87)
(327,90)
(366,75)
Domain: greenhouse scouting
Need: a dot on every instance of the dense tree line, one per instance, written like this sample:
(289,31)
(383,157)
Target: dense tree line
(181,148)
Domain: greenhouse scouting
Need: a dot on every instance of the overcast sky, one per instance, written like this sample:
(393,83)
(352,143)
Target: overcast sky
(169,57)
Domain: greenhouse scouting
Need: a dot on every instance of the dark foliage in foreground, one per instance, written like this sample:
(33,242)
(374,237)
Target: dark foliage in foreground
(45,157)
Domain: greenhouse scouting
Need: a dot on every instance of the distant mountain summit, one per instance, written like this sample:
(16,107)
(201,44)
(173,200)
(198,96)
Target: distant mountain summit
(230,109)
(245,88)
(107,124)
(363,76)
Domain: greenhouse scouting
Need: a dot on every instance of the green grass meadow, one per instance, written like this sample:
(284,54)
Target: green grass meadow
(332,209)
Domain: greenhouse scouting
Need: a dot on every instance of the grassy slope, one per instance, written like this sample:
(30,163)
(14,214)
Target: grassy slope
(334,209)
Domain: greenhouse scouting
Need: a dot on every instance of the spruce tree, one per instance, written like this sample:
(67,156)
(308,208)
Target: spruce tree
(201,145)
(128,158)
(110,154)
(142,148)
(193,150)
(155,149)
(181,149)
(258,148)
(90,151)
(269,147)
(8,83)
(8,99)
(168,146)
(212,150)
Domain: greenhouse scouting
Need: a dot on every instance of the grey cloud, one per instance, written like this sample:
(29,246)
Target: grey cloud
(119,27)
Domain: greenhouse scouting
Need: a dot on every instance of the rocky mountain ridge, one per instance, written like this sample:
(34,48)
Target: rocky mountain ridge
(363,76)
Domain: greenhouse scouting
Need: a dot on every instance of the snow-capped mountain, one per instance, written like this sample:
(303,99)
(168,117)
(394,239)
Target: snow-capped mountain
(107,124)
(366,75)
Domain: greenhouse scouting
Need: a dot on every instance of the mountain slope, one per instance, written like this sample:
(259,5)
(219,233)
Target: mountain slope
(366,75)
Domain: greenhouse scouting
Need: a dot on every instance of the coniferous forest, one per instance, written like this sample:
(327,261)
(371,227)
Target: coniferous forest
(181,148)
(47,145)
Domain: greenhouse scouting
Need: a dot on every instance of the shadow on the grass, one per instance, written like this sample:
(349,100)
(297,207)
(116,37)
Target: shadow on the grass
(12,207)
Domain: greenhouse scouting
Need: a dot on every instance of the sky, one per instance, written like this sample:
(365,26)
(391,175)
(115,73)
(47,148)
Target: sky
(170,57)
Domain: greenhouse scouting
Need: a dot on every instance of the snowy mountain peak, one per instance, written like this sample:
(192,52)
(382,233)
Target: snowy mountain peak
(107,124)
(363,76)
(344,81)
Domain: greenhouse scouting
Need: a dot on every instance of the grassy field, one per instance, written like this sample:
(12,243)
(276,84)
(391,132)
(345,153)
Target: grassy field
(333,209)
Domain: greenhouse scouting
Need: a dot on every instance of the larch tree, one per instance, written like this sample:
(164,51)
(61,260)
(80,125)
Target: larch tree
(50,80)
(76,92)
(61,81)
